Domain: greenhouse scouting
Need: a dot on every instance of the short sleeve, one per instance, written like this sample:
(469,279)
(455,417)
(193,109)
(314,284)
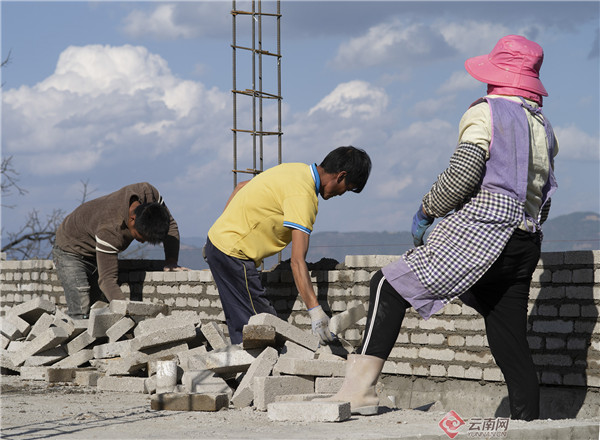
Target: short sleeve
(299,212)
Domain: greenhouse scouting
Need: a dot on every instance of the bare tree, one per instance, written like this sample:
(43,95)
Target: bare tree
(35,238)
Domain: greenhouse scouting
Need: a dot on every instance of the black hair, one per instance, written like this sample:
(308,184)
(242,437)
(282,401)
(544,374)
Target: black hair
(152,222)
(354,161)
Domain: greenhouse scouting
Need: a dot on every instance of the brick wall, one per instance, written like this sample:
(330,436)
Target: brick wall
(564,333)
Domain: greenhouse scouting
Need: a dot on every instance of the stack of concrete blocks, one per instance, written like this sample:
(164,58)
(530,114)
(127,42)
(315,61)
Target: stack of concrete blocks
(117,348)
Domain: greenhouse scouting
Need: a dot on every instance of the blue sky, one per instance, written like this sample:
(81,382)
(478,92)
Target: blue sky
(119,92)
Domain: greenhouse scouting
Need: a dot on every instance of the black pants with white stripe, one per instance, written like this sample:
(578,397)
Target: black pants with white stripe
(501,297)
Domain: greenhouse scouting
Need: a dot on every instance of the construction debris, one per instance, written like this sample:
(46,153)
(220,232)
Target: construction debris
(118,347)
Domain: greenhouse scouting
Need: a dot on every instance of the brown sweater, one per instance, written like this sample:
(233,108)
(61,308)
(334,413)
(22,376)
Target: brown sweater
(98,229)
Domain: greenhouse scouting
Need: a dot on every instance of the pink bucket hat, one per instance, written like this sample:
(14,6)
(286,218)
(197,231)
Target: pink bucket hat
(515,62)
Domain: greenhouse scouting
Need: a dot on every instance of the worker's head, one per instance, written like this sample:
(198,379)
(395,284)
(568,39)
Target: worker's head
(513,64)
(350,168)
(150,223)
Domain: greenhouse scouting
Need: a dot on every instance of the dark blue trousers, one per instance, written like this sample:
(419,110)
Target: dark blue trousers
(240,289)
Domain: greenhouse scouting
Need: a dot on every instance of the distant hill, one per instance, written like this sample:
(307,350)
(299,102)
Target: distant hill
(576,231)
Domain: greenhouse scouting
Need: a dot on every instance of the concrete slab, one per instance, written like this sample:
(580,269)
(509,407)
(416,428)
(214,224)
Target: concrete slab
(33,373)
(40,326)
(112,349)
(54,375)
(80,342)
(151,325)
(126,364)
(101,319)
(291,349)
(204,381)
(31,310)
(87,378)
(123,384)
(309,411)
(137,308)
(261,367)
(230,360)
(189,402)
(46,357)
(10,330)
(163,336)
(120,328)
(190,360)
(266,389)
(49,339)
(75,360)
(23,326)
(286,331)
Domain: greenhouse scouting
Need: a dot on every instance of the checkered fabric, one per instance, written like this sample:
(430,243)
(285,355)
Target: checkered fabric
(458,182)
(463,246)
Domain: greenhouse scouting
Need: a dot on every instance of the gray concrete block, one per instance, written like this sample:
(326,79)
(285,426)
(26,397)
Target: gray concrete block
(137,308)
(164,336)
(80,342)
(46,357)
(165,351)
(119,329)
(189,402)
(31,310)
(9,330)
(151,325)
(23,326)
(314,367)
(266,389)
(204,381)
(342,321)
(123,384)
(301,397)
(328,385)
(214,335)
(126,364)
(49,339)
(101,319)
(87,378)
(54,374)
(112,349)
(63,320)
(258,336)
(33,373)
(309,411)
(75,360)
(261,367)
(286,331)
(40,326)
(4,341)
(7,366)
(190,360)
(230,360)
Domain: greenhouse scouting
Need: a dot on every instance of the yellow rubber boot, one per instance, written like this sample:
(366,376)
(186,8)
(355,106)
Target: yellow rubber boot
(362,372)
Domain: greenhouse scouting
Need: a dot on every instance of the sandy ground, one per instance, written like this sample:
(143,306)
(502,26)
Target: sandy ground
(36,410)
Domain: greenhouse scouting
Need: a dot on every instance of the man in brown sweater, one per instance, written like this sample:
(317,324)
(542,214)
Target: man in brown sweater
(89,239)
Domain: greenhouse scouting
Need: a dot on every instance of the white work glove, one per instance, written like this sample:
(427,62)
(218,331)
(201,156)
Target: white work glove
(320,324)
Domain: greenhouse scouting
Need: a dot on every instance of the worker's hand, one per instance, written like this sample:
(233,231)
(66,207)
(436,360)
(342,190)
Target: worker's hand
(174,268)
(420,223)
(320,324)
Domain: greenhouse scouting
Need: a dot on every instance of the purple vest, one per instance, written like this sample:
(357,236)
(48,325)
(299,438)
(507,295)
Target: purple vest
(507,168)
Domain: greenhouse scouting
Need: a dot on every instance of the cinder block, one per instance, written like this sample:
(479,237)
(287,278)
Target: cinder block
(46,357)
(87,378)
(6,363)
(261,367)
(119,328)
(164,336)
(189,402)
(126,364)
(189,360)
(214,335)
(165,351)
(101,319)
(23,326)
(342,321)
(230,360)
(31,310)
(75,360)
(40,326)
(80,342)
(309,411)
(296,351)
(152,325)
(137,308)
(54,375)
(10,330)
(63,320)
(204,381)
(123,384)
(112,349)
(314,367)
(49,339)
(258,336)
(328,385)
(33,373)
(266,389)
(286,331)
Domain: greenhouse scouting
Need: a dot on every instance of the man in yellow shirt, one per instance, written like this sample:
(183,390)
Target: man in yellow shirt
(263,216)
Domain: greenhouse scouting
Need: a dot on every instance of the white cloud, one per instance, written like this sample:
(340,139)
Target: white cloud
(105,104)
(573,143)
(179,20)
(354,99)
(472,38)
(459,81)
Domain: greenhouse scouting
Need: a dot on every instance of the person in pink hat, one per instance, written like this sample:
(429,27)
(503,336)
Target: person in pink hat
(492,200)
